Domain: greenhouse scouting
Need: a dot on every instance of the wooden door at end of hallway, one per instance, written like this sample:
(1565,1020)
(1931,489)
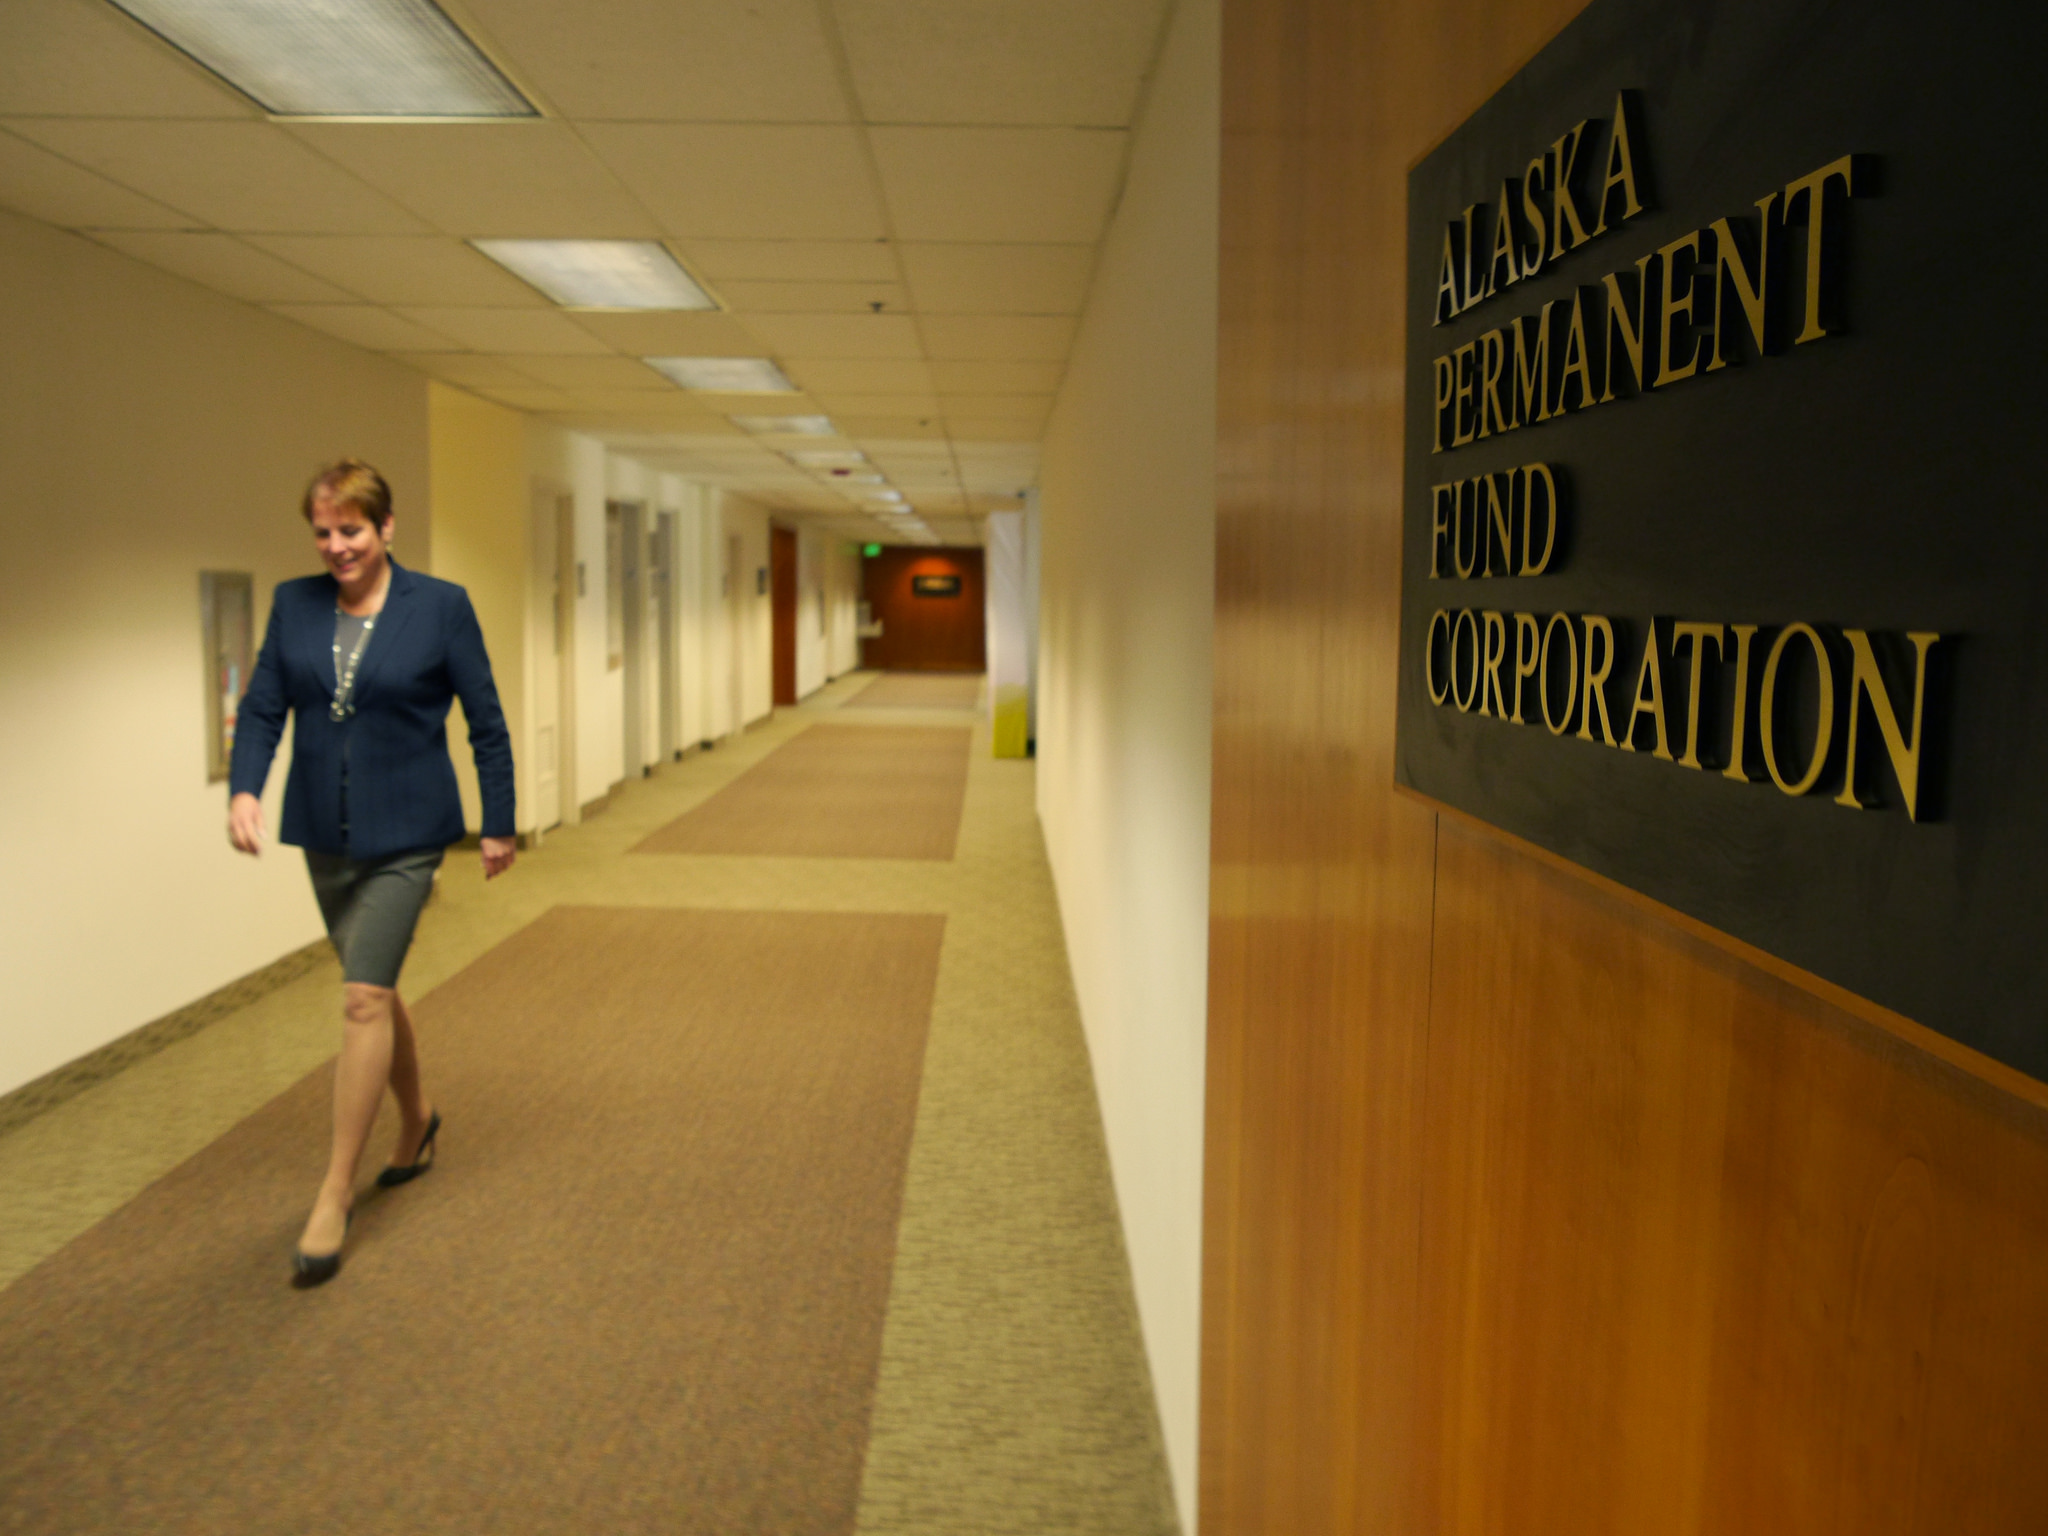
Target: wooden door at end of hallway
(782,598)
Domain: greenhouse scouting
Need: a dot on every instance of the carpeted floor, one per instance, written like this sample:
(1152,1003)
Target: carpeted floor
(1012,1396)
(921,690)
(837,791)
(643,1293)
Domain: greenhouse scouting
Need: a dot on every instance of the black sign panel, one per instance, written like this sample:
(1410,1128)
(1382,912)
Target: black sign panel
(1725,556)
(935,586)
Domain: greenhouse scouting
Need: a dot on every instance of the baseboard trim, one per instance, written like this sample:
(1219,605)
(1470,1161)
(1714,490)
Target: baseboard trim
(68,1081)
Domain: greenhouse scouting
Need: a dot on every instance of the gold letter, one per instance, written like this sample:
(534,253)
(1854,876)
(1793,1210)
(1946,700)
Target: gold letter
(1532,213)
(1667,371)
(1577,357)
(1621,168)
(1503,246)
(1738,737)
(1562,208)
(1729,270)
(1447,281)
(1436,695)
(1699,635)
(1651,704)
(1532,383)
(1814,189)
(1632,331)
(1529,473)
(1496,652)
(1528,655)
(1439,524)
(1571,675)
(1596,680)
(1824,728)
(1466,563)
(1903,750)
(1461,434)
(1469,283)
(1493,356)
(1445,373)
(1500,520)
(1464,700)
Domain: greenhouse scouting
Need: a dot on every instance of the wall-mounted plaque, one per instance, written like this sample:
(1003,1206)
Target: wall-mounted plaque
(1724,569)
(226,626)
(935,586)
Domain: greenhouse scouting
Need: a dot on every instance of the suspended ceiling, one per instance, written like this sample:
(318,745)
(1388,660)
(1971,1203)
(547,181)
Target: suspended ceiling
(900,201)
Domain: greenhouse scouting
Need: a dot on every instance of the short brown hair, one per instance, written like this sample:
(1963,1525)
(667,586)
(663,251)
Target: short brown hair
(354,484)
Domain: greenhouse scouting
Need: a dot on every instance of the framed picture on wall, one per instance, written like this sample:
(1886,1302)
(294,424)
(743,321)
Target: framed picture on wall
(226,622)
(935,586)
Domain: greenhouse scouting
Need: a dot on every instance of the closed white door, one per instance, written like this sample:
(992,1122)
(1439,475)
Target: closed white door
(544,606)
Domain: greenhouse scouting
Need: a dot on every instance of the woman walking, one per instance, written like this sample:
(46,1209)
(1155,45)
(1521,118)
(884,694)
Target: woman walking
(365,659)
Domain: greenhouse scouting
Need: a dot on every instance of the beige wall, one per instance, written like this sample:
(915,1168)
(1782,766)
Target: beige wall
(150,430)
(479,489)
(1128,507)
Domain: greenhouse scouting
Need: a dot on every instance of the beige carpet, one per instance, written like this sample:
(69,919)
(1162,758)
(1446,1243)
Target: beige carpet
(643,1290)
(837,791)
(920,690)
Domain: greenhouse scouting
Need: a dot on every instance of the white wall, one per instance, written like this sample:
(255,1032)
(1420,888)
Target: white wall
(571,463)
(1127,592)
(736,514)
(150,429)
(827,600)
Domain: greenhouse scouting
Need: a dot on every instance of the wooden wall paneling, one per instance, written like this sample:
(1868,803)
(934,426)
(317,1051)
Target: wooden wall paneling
(1527,1210)
(925,634)
(782,599)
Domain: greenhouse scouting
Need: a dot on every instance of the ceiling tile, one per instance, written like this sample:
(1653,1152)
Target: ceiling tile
(403,269)
(365,325)
(470,370)
(506,330)
(997,338)
(83,58)
(643,404)
(616,373)
(226,265)
(794,261)
(1000,184)
(674,333)
(242,177)
(775,298)
(999,279)
(745,182)
(867,430)
(881,376)
(1023,407)
(964,430)
(670,60)
(997,378)
(996,61)
(530,180)
(881,405)
(831,337)
(43,186)
(529,399)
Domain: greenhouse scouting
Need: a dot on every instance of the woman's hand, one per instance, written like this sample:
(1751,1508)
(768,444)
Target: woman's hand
(245,823)
(499,852)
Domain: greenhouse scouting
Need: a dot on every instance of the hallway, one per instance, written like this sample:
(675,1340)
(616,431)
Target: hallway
(974,1367)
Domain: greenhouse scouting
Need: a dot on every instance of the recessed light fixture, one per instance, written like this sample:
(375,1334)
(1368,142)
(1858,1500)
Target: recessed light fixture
(786,426)
(724,375)
(600,274)
(825,458)
(340,58)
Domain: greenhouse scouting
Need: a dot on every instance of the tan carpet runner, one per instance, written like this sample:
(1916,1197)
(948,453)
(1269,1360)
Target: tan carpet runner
(643,1291)
(837,791)
(920,690)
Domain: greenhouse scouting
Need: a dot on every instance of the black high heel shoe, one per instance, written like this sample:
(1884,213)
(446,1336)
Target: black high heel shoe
(311,1269)
(422,1160)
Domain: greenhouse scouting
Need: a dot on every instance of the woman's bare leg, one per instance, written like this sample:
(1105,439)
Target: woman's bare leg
(413,1108)
(359,1080)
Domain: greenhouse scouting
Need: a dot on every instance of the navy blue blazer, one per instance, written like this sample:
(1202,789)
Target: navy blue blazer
(425,650)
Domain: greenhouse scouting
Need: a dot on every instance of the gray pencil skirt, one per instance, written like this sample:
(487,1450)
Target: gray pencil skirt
(371,907)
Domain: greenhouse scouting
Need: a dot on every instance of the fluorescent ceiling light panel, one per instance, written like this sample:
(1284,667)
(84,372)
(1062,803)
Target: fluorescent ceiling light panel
(786,426)
(724,375)
(339,58)
(825,458)
(600,274)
